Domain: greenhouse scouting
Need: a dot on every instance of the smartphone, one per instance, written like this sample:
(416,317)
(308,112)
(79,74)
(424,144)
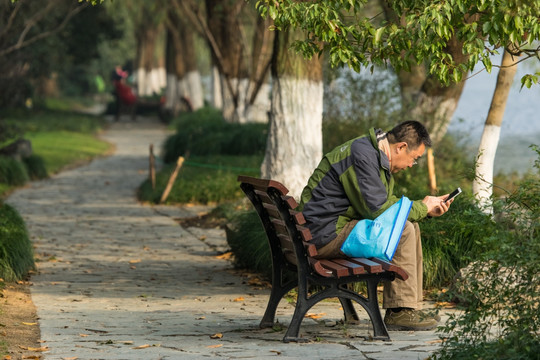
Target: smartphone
(453,194)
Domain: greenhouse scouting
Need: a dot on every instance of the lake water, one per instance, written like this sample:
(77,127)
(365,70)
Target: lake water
(521,122)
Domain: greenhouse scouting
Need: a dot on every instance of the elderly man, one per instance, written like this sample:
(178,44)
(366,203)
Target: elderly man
(353,182)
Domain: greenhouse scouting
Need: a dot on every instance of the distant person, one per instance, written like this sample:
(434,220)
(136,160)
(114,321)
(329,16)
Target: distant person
(354,182)
(124,96)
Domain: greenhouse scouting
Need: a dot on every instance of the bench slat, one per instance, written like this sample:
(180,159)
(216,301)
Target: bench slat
(371,266)
(281,228)
(274,212)
(355,268)
(290,201)
(263,184)
(337,269)
(318,268)
(388,266)
(263,196)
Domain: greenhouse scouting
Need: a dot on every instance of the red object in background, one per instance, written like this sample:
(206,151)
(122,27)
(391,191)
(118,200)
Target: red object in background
(125,94)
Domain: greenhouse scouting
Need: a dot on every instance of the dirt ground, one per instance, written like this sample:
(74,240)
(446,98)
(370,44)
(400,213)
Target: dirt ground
(19,329)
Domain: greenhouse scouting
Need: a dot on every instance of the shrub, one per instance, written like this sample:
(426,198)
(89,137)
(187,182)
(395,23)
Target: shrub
(501,291)
(12,172)
(35,167)
(248,242)
(16,254)
(203,179)
(452,241)
(205,132)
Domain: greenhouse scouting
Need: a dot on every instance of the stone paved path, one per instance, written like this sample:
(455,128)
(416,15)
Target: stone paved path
(122,280)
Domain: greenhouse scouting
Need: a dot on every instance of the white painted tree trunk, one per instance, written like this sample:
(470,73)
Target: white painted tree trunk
(483,181)
(233,113)
(244,112)
(258,111)
(216,93)
(150,82)
(171,92)
(190,86)
(294,145)
(195,90)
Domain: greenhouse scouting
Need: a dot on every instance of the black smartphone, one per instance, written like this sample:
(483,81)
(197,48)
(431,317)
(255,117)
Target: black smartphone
(453,194)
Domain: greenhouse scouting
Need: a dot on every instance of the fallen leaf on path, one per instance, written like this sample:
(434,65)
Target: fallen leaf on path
(315,316)
(445,304)
(257,282)
(83,335)
(43,348)
(214,346)
(239,299)
(7,357)
(28,323)
(31,357)
(275,351)
(216,336)
(70,358)
(135,261)
(141,347)
(225,256)
(200,318)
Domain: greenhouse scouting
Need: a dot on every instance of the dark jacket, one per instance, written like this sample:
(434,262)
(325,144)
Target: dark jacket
(352,182)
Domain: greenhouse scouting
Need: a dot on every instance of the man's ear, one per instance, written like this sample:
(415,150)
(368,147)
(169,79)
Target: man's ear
(401,146)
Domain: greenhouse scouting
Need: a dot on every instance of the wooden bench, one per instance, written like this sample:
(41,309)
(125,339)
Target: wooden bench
(315,279)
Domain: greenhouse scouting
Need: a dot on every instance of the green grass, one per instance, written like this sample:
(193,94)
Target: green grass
(62,148)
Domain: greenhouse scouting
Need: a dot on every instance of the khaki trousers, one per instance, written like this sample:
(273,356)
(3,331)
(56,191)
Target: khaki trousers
(408,256)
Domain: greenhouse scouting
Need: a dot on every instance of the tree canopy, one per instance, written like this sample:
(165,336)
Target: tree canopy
(421,34)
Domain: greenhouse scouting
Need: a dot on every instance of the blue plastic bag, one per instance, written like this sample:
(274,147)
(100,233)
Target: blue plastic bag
(380,237)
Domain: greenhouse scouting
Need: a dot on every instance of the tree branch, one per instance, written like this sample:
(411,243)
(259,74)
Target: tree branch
(23,42)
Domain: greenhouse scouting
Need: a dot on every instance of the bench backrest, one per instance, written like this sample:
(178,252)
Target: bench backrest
(290,241)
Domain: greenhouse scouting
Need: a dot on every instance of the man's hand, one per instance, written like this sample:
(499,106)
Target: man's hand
(436,204)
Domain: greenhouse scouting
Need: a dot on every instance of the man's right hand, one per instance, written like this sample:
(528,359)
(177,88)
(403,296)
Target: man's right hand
(436,205)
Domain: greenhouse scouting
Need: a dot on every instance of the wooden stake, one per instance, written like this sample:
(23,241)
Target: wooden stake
(172,179)
(152,170)
(431,171)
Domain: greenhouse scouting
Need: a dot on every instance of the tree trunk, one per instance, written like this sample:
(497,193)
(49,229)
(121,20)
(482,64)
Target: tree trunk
(427,99)
(150,73)
(242,74)
(184,80)
(483,181)
(294,145)
(217,92)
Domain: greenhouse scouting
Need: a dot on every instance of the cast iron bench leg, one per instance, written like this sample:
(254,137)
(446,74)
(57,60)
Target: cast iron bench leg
(276,295)
(348,310)
(379,328)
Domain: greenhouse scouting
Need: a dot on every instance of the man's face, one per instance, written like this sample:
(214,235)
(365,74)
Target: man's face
(403,157)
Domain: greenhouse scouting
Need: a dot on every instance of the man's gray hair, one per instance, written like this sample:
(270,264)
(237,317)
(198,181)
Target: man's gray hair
(412,132)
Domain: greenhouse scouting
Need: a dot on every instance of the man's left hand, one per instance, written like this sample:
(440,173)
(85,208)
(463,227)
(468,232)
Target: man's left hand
(436,204)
